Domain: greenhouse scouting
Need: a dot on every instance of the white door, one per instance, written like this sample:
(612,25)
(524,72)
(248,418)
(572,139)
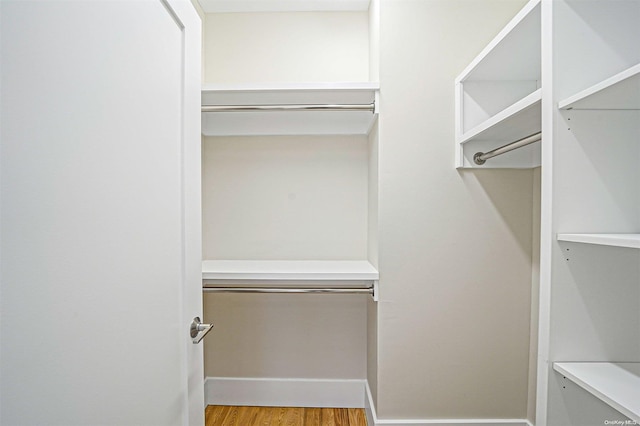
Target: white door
(100,222)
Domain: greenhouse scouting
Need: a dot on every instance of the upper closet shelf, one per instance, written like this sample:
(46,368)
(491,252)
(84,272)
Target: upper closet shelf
(513,54)
(240,271)
(622,91)
(233,6)
(617,384)
(294,109)
(615,240)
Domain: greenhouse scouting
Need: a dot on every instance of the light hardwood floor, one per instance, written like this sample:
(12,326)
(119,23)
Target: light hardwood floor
(225,415)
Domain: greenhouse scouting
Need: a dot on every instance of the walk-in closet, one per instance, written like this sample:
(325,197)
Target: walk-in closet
(319,212)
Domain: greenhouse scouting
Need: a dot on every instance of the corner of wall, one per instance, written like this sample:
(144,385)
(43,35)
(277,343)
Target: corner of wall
(535,288)
(372,254)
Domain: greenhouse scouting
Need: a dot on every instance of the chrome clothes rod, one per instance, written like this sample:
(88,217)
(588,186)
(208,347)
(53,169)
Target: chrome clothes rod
(260,108)
(341,290)
(481,157)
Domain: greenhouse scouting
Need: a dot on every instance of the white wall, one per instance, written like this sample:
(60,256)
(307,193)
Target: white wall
(285,198)
(291,47)
(286,336)
(455,247)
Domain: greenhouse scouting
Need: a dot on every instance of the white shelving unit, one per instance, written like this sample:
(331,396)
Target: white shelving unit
(266,117)
(615,240)
(307,122)
(590,289)
(243,271)
(287,176)
(617,384)
(498,95)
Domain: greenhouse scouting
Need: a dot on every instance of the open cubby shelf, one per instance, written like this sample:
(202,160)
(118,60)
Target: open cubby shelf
(498,95)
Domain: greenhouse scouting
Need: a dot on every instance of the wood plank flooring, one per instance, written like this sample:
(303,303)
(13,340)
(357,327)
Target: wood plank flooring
(225,415)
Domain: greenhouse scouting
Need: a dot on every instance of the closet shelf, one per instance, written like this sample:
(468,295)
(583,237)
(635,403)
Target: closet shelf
(513,54)
(616,240)
(621,91)
(288,122)
(234,6)
(617,384)
(519,120)
(287,270)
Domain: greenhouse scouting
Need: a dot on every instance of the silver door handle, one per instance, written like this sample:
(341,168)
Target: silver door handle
(198,330)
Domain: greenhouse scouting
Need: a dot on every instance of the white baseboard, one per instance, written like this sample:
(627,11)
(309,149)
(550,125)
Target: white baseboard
(339,393)
(373,420)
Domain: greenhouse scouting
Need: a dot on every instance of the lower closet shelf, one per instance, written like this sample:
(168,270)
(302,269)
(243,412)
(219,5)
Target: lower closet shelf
(617,384)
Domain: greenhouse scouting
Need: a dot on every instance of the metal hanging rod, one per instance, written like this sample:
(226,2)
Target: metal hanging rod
(335,290)
(263,108)
(481,157)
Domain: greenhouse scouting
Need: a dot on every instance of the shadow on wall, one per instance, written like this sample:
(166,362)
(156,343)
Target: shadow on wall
(510,193)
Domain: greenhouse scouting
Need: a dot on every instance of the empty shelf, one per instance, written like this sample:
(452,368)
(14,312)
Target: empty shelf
(622,91)
(515,122)
(513,54)
(617,384)
(288,270)
(616,240)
